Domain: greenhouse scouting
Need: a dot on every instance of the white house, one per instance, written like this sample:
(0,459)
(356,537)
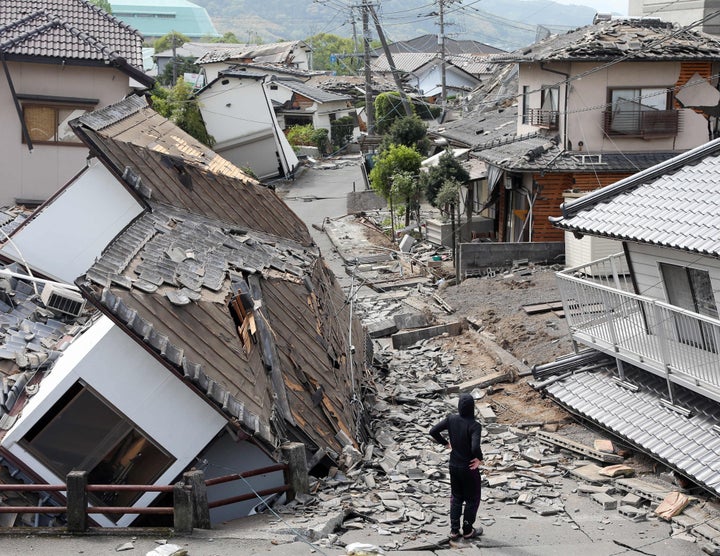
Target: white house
(239,115)
(201,331)
(652,309)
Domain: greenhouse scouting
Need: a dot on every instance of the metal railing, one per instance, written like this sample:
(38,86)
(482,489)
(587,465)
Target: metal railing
(642,123)
(543,118)
(602,311)
(189,498)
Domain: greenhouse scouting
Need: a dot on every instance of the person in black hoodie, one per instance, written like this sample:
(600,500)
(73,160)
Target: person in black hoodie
(466,457)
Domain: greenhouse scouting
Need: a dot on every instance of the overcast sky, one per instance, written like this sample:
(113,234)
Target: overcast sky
(603,6)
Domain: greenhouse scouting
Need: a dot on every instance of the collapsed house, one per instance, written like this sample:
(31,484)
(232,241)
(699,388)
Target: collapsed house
(207,329)
(652,308)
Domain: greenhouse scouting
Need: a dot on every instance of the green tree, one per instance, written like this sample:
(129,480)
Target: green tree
(104,4)
(181,65)
(228,37)
(409,131)
(448,168)
(448,196)
(406,188)
(341,131)
(166,42)
(180,107)
(389,107)
(397,160)
(299,135)
(330,52)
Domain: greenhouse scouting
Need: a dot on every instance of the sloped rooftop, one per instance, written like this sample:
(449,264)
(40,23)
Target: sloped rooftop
(221,281)
(313,93)
(672,204)
(629,39)
(179,170)
(67,29)
(688,444)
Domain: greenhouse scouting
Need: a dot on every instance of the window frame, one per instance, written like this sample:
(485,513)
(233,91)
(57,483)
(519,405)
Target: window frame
(57,104)
(638,122)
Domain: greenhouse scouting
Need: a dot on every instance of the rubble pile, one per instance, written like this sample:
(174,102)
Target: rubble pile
(395,494)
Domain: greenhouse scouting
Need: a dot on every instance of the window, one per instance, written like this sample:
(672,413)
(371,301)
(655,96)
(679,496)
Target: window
(49,122)
(691,289)
(641,112)
(525,104)
(83,432)
(547,115)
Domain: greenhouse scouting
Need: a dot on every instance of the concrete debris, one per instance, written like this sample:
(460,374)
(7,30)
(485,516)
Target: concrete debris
(168,550)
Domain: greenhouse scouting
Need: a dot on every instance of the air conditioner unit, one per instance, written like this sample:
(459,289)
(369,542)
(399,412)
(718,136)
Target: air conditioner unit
(63,301)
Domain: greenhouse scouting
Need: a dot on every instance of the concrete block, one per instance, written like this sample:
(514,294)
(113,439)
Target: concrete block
(607,502)
(409,321)
(485,381)
(405,339)
(631,499)
(382,328)
(485,413)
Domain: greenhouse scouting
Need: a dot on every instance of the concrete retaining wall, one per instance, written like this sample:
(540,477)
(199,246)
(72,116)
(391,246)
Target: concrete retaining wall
(362,201)
(477,258)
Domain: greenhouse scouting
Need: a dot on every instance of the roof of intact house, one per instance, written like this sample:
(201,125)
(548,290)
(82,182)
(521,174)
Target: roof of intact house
(429,43)
(672,204)
(627,39)
(412,61)
(68,30)
(631,410)
(179,170)
(278,363)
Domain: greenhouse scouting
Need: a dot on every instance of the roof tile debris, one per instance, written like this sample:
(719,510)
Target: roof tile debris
(627,39)
(271,53)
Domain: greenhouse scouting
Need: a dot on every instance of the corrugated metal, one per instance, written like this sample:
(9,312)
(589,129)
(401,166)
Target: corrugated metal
(71,29)
(689,445)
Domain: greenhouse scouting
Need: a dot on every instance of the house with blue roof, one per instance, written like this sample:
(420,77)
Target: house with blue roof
(155,18)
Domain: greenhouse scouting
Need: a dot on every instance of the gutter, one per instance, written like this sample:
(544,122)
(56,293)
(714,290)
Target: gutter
(18,108)
(567,87)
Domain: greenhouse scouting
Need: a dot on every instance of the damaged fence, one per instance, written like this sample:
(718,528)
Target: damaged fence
(190,508)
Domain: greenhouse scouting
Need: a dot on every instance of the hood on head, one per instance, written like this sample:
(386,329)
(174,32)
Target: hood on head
(466,405)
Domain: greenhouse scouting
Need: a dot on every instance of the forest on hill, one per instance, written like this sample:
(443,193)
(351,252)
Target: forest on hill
(508,25)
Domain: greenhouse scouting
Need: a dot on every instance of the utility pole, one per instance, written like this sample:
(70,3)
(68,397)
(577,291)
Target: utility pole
(441,45)
(393,69)
(369,106)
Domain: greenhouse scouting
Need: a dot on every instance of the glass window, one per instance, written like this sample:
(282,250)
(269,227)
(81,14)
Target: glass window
(525,104)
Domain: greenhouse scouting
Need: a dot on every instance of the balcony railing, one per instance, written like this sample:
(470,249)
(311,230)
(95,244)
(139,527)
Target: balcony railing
(642,123)
(543,118)
(669,341)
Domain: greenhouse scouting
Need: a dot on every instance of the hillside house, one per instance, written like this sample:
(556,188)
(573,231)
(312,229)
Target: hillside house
(652,310)
(595,105)
(217,332)
(61,58)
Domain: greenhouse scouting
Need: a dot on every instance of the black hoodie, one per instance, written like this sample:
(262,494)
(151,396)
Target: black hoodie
(463,431)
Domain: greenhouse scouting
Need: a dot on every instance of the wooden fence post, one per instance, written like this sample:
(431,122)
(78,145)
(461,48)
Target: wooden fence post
(77,501)
(182,509)
(297,472)
(195,480)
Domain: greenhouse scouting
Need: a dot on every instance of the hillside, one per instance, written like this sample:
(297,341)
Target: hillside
(508,25)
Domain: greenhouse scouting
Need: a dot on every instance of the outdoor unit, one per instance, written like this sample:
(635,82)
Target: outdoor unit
(63,301)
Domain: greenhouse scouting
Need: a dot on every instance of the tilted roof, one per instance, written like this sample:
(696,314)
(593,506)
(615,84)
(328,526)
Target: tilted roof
(412,61)
(68,30)
(314,93)
(629,39)
(672,204)
(429,43)
(271,53)
(207,240)
(181,171)
(688,444)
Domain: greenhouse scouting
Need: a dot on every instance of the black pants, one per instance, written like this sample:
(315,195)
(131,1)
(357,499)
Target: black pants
(464,489)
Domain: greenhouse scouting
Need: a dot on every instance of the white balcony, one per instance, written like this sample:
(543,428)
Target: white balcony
(603,313)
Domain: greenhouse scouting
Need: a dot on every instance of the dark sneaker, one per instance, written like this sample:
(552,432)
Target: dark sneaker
(454,535)
(472,533)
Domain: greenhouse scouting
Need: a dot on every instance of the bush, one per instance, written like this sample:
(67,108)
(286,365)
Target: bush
(341,131)
(299,135)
